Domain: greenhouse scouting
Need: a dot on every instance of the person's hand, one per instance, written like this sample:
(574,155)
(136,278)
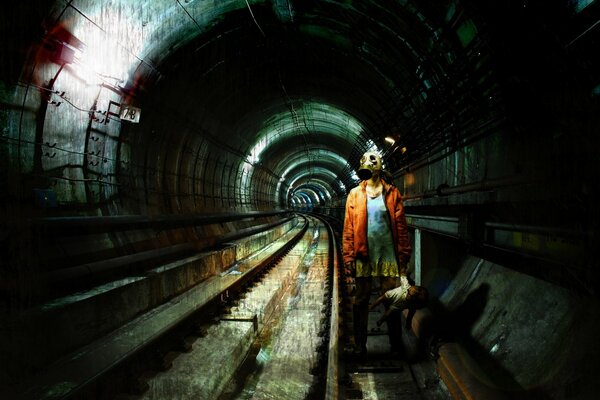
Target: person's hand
(350,268)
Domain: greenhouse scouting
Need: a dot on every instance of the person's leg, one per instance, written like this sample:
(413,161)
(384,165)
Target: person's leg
(394,321)
(361,312)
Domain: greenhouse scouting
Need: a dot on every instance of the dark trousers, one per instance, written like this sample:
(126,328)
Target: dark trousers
(361,311)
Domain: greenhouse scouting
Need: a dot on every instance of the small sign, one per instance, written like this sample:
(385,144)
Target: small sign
(130,114)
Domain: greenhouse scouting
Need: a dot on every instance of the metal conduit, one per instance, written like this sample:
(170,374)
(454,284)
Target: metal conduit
(484,185)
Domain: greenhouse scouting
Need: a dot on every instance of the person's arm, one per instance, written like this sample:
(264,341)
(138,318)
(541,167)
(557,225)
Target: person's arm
(377,302)
(348,233)
(403,243)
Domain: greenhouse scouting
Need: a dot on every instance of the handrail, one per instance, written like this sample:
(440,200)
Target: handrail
(132,221)
(87,270)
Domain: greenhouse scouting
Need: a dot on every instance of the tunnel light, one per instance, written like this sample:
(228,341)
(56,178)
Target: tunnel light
(403,150)
(390,140)
(92,68)
(67,54)
(106,56)
(86,73)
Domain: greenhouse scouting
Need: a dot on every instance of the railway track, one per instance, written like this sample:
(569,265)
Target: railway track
(265,341)
(275,324)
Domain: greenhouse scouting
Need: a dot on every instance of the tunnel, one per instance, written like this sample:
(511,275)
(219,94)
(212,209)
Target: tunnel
(138,133)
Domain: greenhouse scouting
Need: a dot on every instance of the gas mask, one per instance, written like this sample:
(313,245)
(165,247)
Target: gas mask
(370,162)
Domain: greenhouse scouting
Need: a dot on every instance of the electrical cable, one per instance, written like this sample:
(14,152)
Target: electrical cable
(189,15)
(255,21)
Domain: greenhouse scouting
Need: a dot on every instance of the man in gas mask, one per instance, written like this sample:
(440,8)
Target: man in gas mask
(375,244)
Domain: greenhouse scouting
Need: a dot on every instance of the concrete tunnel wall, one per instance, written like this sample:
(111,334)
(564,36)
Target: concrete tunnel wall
(518,334)
(528,158)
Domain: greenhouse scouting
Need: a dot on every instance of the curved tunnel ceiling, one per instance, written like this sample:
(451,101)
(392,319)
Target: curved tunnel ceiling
(280,89)
(244,101)
(271,94)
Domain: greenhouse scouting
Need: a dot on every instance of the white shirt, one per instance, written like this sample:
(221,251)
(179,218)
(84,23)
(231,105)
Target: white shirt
(397,296)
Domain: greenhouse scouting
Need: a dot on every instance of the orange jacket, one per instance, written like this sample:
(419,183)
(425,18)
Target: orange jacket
(355,224)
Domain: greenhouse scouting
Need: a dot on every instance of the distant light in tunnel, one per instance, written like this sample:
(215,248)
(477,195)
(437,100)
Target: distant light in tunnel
(316,117)
(390,140)
(319,166)
(304,199)
(318,189)
(310,194)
